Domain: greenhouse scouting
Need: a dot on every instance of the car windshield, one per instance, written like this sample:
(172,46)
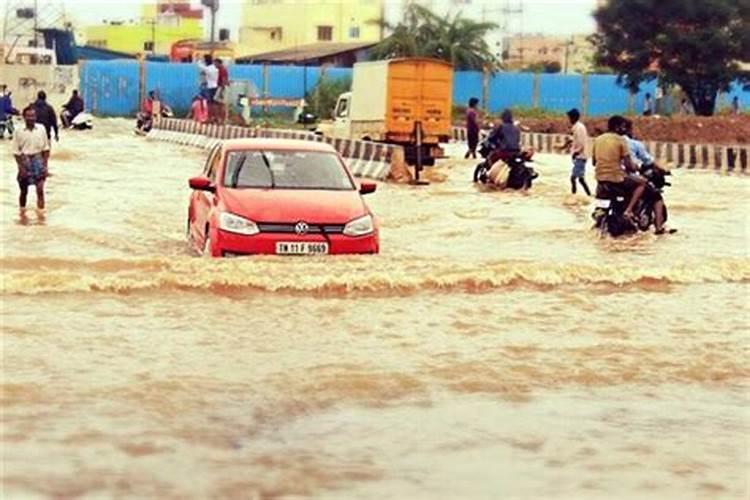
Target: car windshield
(286,170)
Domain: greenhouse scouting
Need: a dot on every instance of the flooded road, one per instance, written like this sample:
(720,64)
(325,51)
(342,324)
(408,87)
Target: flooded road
(495,349)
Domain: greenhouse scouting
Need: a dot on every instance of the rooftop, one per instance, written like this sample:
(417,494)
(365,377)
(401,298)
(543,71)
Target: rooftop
(306,53)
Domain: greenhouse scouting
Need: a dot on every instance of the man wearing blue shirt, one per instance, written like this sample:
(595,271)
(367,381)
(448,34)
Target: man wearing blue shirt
(7,111)
(643,159)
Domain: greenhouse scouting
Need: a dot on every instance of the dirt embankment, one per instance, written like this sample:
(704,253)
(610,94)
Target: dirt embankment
(722,129)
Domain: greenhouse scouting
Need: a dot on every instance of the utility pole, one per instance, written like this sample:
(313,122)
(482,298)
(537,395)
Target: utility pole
(507,10)
(213,6)
(36,23)
(568,44)
(21,19)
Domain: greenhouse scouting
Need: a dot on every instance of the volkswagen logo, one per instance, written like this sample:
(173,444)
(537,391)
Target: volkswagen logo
(301,228)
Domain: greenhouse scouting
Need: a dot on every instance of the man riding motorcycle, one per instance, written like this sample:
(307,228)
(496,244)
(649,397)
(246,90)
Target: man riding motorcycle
(644,161)
(505,163)
(7,112)
(505,139)
(610,154)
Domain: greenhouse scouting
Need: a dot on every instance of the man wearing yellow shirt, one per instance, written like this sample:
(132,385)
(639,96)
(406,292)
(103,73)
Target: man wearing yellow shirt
(610,154)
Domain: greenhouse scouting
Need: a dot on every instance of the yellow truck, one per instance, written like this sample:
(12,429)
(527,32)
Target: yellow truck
(390,99)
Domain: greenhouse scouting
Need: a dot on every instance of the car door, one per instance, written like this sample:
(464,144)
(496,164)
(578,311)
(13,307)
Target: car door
(203,201)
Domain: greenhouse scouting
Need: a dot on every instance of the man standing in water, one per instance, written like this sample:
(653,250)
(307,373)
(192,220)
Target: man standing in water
(211,72)
(31,149)
(45,115)
(578,143)
(472,128)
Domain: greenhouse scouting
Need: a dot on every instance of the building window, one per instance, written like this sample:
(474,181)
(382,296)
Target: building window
(276,34)
(354,32)
(325,33)
(101,44)
(148,46)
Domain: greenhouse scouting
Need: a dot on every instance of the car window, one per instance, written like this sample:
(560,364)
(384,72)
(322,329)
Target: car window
(343,109)
(286,170)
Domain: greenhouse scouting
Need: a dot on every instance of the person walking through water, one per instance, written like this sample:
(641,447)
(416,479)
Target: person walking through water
(45,115)
(472,128)
(31,149)
(578,144)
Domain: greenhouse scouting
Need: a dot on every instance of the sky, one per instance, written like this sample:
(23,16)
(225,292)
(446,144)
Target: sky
(540,16)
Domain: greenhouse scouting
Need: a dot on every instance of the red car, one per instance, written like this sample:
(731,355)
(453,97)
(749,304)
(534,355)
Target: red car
(284,197)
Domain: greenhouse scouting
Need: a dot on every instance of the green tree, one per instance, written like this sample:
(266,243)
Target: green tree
(696,44)
(422,33)
(543,67)
(322,99)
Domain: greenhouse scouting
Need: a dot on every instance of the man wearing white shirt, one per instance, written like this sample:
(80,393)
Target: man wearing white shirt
(211,73)
(31,150)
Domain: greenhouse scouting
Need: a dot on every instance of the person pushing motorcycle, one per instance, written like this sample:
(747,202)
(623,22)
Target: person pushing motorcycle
(610,153)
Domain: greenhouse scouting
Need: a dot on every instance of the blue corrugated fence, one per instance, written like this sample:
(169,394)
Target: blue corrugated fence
(113,87)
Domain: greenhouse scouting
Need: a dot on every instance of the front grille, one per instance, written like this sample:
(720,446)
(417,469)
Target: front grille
(289,228)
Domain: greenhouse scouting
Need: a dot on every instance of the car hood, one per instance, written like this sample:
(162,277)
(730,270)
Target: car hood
(293,205)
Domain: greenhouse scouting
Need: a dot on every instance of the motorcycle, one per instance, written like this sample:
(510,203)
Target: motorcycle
(82,121)
(8,125)
(144,122)
(517,175)
(610,205)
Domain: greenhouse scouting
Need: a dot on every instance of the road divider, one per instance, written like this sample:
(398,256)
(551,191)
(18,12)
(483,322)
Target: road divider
(717,157)
(364,158)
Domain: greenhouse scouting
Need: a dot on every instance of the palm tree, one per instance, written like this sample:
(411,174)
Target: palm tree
(422,33)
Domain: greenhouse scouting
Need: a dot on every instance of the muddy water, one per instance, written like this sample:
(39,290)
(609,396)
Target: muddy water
(495,349)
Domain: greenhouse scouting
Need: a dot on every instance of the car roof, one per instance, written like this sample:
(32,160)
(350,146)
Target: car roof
(277,144)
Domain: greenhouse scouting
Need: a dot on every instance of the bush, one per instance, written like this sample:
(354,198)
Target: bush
(321,100)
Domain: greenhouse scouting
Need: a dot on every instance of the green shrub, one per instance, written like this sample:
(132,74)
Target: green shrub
(321,100)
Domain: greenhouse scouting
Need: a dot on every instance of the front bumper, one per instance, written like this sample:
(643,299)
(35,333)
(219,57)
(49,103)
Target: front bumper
(231,244)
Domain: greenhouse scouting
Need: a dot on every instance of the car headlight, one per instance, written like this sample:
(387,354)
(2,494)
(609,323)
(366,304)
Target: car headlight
(359,227)
(236,224)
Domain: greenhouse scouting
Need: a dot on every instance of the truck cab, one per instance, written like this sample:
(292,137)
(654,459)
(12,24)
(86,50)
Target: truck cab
(342,123)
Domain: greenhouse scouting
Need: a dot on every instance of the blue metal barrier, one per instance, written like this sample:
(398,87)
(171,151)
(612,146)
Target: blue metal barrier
(511,90)
(111,88)
(560,92)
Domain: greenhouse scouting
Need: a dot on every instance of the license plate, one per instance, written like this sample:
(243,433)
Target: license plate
(301,248)
(603,203)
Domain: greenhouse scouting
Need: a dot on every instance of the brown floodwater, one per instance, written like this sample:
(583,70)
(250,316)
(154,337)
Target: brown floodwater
(496,348)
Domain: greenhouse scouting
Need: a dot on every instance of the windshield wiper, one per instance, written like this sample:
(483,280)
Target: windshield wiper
(270,170)
(237,171)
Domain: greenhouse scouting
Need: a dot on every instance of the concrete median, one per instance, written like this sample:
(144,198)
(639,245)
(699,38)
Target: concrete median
(717,157)
(364,158)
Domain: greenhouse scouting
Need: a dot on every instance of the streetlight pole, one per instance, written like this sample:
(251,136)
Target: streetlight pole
(213,6)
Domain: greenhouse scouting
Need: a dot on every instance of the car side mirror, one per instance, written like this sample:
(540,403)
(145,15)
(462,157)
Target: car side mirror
(201,183)
(367,187)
